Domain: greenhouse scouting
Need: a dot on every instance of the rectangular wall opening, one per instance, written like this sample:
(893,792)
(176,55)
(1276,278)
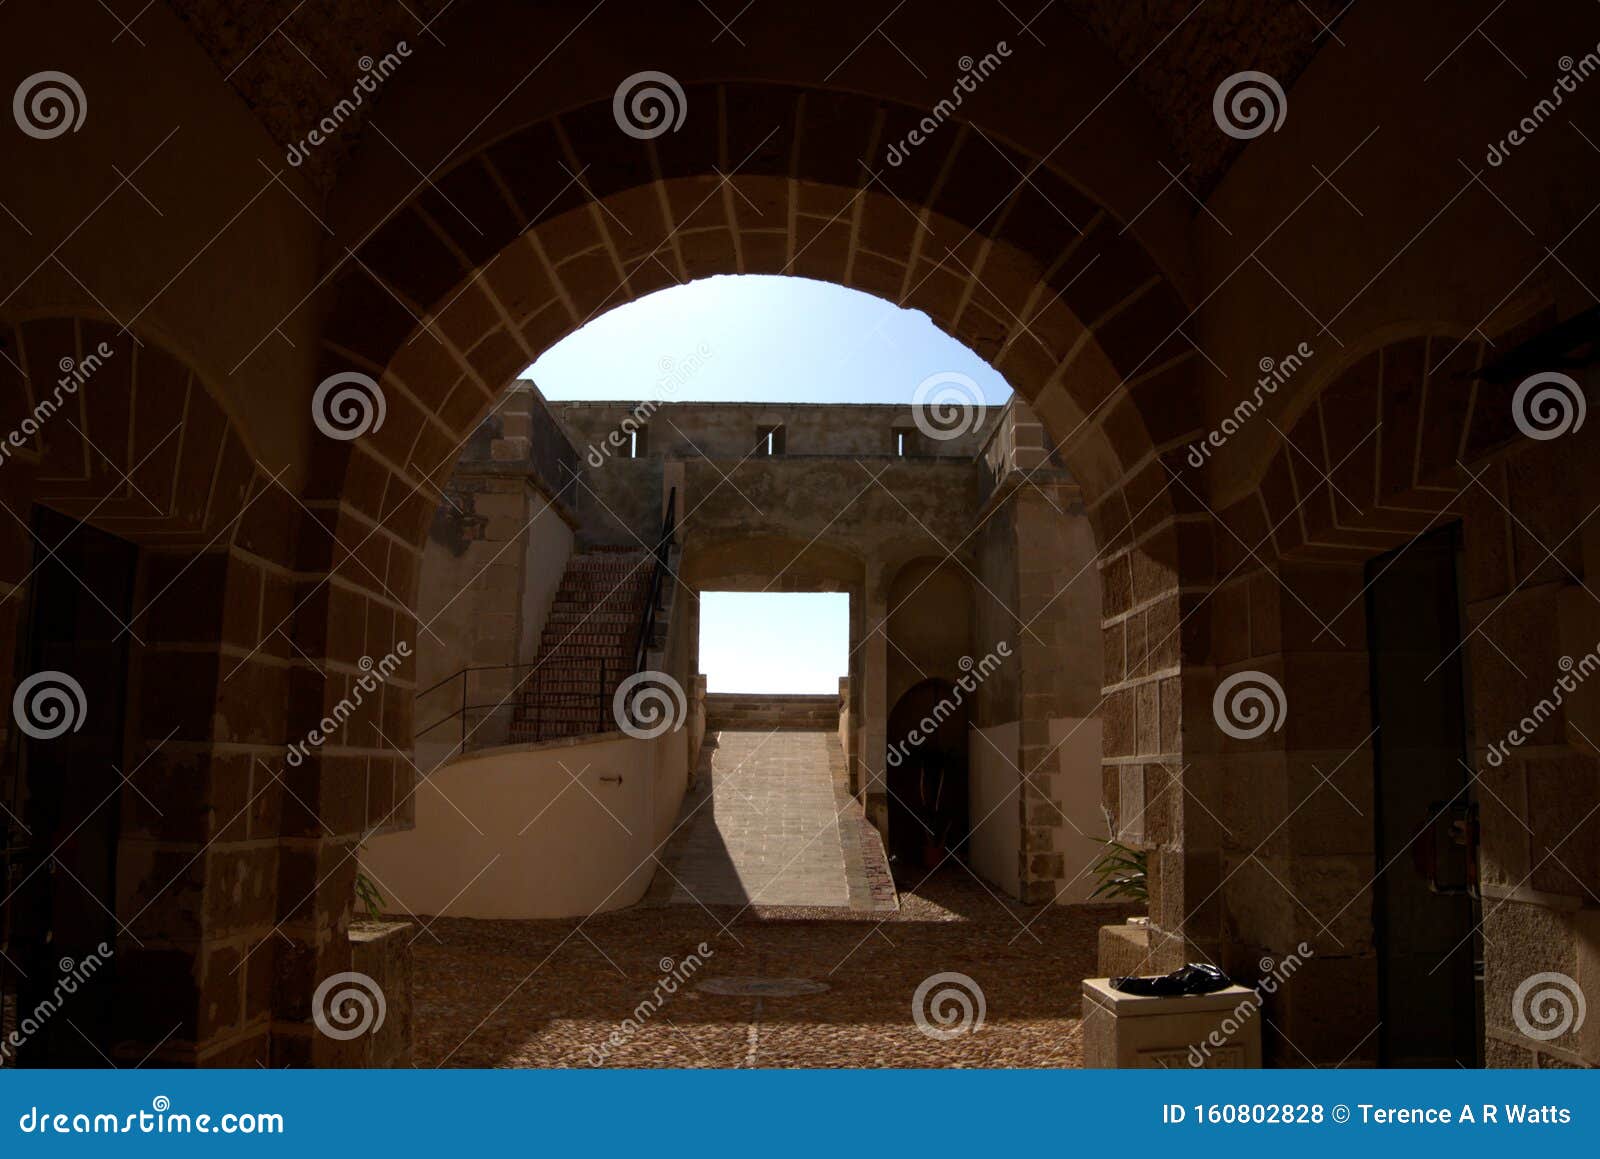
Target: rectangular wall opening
(789,643)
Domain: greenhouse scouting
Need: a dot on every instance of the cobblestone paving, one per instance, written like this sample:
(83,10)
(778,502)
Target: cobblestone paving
(771,823)
(552,993)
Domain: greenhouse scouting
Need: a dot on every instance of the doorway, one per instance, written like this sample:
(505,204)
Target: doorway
(927,775)
(1425,904)
(64,793)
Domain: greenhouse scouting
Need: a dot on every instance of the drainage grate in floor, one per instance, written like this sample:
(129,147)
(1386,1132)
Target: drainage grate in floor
(736,987)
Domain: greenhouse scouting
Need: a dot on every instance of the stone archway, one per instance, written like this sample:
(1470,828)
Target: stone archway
(1403,439)
(113,432)
(548,213)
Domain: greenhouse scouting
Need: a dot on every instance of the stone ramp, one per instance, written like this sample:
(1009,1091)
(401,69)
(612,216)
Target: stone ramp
(771,824)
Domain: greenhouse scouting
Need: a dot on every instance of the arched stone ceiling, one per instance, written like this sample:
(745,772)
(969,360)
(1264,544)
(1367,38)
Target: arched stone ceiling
(292,68)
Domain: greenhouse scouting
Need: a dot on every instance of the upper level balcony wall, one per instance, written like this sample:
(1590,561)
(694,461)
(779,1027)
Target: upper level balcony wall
(734,430)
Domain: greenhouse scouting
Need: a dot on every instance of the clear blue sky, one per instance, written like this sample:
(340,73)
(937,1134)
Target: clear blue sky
(766,338)
(774,641)
(757,338)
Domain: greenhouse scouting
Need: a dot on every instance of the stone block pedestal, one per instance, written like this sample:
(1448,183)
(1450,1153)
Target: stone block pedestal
(382,951)
(1124,949)
(1127,1031)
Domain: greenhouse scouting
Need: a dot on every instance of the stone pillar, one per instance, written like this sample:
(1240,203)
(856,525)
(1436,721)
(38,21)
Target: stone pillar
(197,876)
(1058,754)
(1152,697)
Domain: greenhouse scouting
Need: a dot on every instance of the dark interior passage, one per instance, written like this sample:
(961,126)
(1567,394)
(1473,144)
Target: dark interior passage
(64,794)
(1425,908)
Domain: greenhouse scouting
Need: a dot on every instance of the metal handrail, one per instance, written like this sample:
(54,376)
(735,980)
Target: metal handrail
(462,675)
(662,551)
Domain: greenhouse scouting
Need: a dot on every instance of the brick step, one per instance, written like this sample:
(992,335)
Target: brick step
(571,601)
(568,638)
(590,559)
(611,605)
(566,665)
(574,645)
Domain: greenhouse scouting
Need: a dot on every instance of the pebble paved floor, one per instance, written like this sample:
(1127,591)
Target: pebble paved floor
(628,988)
(551,993)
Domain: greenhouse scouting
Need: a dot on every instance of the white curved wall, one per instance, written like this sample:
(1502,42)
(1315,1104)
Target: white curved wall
(535,832)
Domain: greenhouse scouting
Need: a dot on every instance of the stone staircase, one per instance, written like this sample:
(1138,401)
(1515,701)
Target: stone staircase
(587,647)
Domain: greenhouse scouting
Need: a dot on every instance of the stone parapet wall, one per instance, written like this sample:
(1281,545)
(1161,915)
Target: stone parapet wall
(764,710)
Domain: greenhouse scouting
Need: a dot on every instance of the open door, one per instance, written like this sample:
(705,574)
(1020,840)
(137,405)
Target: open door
(1425,906)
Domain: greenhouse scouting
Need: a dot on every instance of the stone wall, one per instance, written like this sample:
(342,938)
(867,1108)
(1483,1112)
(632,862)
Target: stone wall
(732,430)
(496,550)
(754,710)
